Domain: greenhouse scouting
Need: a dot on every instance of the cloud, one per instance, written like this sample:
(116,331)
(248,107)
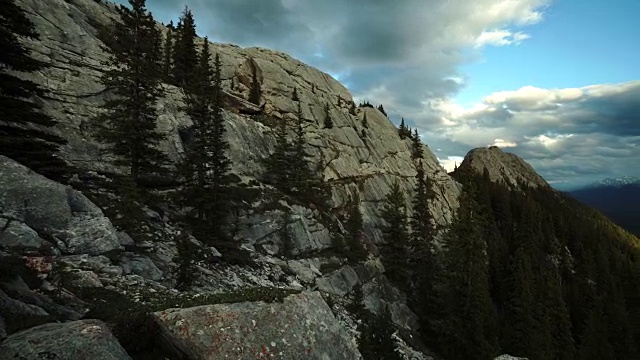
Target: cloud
(572,135)
(407,55)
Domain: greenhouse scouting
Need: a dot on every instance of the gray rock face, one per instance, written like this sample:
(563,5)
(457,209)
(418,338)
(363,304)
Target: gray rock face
(509,357)
(503,166)
(19,238)
(140,265)
(19,315)
(86,339)
(351,162)
(301,327)
(3,331)
(42,207)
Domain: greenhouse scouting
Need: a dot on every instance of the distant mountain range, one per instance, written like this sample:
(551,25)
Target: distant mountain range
(617,198)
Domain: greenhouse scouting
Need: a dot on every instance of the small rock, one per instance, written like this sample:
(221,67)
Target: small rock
(85,279)
(140,265)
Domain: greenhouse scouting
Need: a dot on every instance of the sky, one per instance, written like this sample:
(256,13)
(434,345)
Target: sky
(556,82)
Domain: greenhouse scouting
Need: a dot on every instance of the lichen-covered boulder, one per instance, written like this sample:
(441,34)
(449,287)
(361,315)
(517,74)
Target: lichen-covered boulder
(85,339)
(301,327)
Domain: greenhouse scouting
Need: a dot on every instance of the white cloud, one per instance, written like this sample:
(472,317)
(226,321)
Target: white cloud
(501,143)
(500,38)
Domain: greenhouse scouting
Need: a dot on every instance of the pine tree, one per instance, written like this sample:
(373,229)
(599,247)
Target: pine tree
(352,109)
(167,63)
(24,134)
(206,164)
(365,123)
(466,327)
(381,109)
(328,122)
(185,56)
(422,229)
(353,226)
(277,164)
(186,269)
(301,175)
(396,235)
(255,93)
(134,72)
(416,146)
(402,130)
(295,96)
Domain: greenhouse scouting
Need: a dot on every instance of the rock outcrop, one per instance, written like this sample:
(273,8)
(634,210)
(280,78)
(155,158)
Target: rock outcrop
(85,339)
(354,158)
(502,166)
(39,215)
(301,327)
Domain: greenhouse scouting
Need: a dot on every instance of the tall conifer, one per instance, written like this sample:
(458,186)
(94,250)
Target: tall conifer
(23,134)
(396,235)
(185,56)
(206,163)
(134,72)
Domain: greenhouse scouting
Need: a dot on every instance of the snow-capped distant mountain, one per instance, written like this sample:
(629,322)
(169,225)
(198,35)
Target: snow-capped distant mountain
(616,182)
(617,198)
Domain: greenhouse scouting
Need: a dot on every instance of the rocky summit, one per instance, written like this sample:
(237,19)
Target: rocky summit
(92,267)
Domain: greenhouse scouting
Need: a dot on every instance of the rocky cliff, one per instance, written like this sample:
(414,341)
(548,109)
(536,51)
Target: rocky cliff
(69,256)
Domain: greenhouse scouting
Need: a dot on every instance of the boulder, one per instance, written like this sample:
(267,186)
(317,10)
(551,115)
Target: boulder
(140,265)
(339,282)
(19,238)
(17,315)
(301,327)
(53,210)
(85,339)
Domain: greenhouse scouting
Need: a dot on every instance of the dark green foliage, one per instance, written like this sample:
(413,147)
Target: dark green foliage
(167,62)
(396,236)
(416,146)
(353,226)
(328,121)
(185,58)
(466,326)
(128,127)
(403,130)
(255,93)
(562,279)
(206,165)
(295,96)
(381,109)
(365,123)
(278,163)
(422,227)
(366,104)
(352,109)
(25,134)
(289,167)
(187,255)
(376,331)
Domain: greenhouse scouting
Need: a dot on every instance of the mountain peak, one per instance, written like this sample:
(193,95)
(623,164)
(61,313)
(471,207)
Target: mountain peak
(616,182)
(502,166)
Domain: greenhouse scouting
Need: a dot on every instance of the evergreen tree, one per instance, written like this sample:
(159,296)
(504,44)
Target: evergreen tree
(466,327)
(403,131)
(416,146)
(353,226)
(167,63)
(381,109)
(328,121)
(422,229)
(375,341)
(365,123)
(134,72)
(24,134)
(352,109)
(396,235)
(277,163)
(301,174)
(295,96)
(255,93)
(206,164)
(185,57)
(186,270)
